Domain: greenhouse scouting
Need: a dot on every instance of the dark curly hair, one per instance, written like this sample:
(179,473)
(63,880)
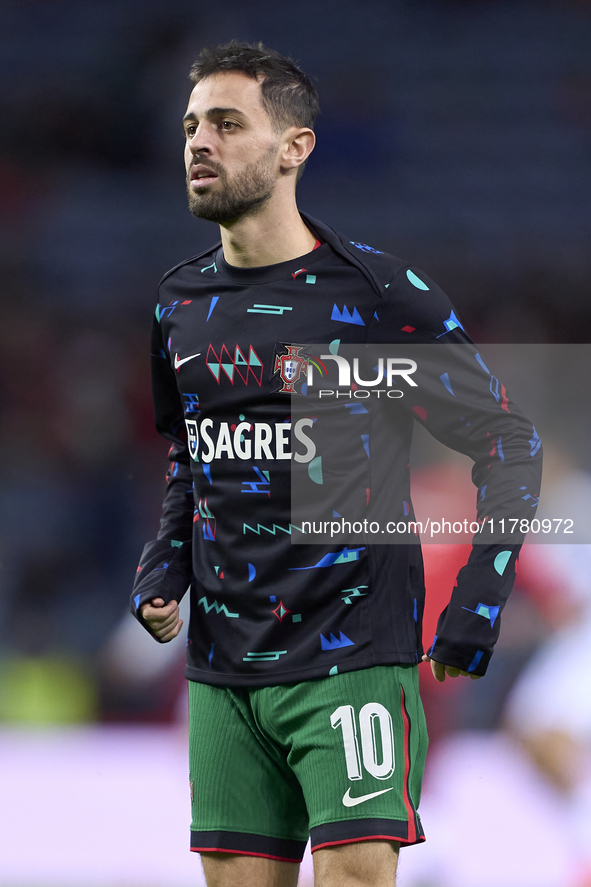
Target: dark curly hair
(287,94)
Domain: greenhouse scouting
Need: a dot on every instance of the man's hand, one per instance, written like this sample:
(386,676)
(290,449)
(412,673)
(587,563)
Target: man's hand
(164,621)
(440,671)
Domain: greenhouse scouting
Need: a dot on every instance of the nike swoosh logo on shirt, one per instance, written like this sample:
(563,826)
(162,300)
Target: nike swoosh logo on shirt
(178,361)
(348,801)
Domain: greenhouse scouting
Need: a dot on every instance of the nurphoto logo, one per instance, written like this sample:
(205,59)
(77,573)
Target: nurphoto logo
(388,372)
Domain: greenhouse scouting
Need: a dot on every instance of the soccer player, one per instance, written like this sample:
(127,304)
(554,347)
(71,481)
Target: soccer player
(302,660)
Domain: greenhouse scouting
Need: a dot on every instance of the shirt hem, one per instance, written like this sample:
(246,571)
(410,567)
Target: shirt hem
(231,679)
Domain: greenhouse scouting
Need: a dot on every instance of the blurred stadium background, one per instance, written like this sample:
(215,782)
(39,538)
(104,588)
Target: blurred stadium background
(455,134)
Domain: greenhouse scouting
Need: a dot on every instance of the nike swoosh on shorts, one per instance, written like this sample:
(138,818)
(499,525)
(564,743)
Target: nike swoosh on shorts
(348,801)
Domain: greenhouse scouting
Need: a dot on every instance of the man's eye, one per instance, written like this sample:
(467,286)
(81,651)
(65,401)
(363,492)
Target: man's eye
(227,125)
(190,131)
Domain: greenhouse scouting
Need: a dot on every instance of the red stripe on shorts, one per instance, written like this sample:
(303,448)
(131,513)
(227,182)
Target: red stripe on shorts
(242,853)
(396,838)
(412,826)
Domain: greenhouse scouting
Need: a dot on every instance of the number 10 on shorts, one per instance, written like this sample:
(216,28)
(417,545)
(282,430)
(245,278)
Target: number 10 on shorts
(377,739)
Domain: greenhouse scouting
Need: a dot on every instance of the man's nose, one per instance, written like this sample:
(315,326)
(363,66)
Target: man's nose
(200,142)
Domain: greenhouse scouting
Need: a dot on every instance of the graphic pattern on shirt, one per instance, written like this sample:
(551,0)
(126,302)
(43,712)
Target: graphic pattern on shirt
(230,350)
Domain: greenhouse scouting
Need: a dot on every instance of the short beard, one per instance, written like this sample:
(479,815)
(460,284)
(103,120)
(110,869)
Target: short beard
(244,195)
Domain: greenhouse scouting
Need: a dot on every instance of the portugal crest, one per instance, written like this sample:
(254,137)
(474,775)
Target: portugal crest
(289,364)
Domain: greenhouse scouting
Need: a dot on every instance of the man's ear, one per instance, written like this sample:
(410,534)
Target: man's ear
(298,145)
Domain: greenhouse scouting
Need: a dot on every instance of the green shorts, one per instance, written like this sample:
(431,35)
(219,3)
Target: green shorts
(339,759)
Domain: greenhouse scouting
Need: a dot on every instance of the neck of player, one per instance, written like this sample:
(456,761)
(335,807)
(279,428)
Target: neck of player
(277,233)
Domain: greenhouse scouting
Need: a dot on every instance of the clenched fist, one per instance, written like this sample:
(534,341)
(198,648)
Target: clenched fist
(164,621)
(440,671)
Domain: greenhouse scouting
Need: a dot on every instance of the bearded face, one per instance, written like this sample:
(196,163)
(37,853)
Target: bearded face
(223,198)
